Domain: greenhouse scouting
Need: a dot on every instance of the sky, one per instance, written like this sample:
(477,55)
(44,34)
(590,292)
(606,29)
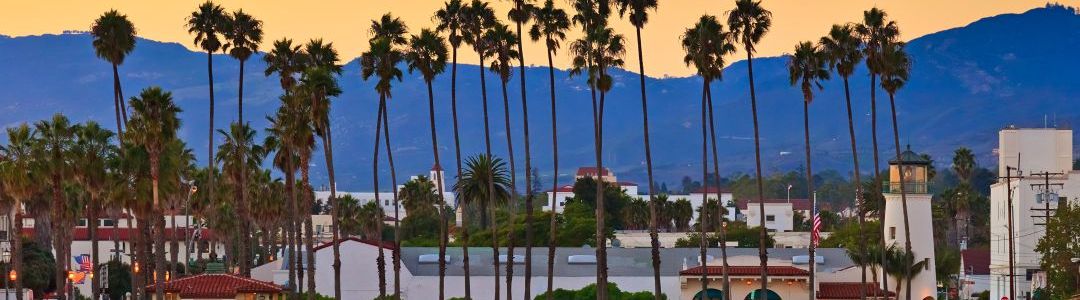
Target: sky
(345,22)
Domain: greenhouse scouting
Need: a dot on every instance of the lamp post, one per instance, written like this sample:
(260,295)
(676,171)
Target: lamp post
(6,259)
(187,226)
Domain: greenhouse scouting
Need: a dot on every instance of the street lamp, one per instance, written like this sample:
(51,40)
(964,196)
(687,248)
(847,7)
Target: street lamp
(7,259)
(187,225)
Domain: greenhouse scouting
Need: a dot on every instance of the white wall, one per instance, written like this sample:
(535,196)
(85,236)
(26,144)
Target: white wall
(359,280)
(922,239)
(782,213)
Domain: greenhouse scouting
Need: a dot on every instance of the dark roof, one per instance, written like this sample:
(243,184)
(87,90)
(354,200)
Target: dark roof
(386,244)
(849,290)
(569,188)
(215,286)
(909,157)
(591,171)
(748,271)
(976,261)
(796,204)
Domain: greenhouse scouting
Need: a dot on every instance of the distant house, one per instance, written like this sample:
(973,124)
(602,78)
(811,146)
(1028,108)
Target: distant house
(974,272)
(779,213)
(561,195)
(218,286)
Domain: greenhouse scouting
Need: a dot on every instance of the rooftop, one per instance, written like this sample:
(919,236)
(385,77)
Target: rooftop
(849,290)
(215,286)
(976,261)
(796,204)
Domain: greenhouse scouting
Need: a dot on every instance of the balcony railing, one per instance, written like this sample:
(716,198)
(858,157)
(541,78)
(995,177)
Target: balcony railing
(910,187)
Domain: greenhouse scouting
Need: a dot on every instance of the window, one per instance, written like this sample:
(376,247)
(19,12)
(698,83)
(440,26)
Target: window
(318,229)
(562,203)
(386,202)
(892,233)
(770,218)
(108,222)
(81,223)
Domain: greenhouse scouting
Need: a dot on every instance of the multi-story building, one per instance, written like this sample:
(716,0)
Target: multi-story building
(386,198)
(1020,205)
(779,213)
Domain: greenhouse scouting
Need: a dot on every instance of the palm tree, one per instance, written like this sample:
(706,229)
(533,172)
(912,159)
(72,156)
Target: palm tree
(286,60)
(206,24)
(381,61)
(239,156)
(52,150)
(874,31)
(427,54)
(474,187)
(478,17)
(520,14)
(289,122)
(706,44)
(17,165)
(894,70)
(898,259)
(451,19)
(153,125)
(319,82)
(91,152)
(419,196)
(749,22)
(806,67)
(841,48)
(114,38)
(500,41)
(639,15)
(551,24)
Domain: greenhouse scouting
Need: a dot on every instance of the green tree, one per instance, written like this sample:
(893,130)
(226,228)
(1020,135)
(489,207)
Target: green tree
(19,184)
(1059,247)
(749,22)
(40,267)
(119,278)
(91,152)
(589,292)
(114,39)
(239,157)
(419,196)
(681,212)
(52,152)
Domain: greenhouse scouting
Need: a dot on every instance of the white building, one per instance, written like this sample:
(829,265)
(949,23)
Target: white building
(564,193)
(387,198)
(1028,152)
(974,272)
(630,269)
(779,213)
(915,186)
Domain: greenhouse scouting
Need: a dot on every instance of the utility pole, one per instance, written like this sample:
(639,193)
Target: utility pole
(1047,194)
(1008,191)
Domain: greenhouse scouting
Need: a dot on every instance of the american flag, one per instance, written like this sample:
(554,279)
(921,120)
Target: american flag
(815,230)
(85,265)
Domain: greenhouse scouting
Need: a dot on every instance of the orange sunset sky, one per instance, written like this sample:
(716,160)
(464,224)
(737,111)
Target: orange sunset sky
(345,22)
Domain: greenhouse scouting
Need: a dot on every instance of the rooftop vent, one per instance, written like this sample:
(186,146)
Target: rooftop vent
(581,259)
(805,259)
(432,259)
(518,259)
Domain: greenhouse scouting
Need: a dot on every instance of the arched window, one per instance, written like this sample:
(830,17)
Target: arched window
(710,294)
(769,295)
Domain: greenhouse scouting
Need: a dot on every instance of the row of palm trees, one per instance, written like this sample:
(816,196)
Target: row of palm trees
(308,77)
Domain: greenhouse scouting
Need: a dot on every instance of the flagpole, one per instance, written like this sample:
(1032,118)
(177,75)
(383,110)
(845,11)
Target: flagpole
(813,246)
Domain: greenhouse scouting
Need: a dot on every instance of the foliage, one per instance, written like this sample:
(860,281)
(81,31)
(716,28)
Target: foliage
(576,227)
(946,264)
(119,279)
(848,235)
(1058,247)
(589,292)
(709,213)
(736,232)
(39,266)
(615,198)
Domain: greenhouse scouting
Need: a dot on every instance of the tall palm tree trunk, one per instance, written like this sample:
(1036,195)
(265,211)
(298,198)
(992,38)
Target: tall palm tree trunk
(810,192)
(859,199)
(118,101)
(877,174)
(903,197)
(328,148)
(457,153)
(555,178)
(174,243)
(760,185)
(290,225)
(243,209)
(719,200)
(17,254)
(210,145)
(439,187)
(653,235)
(491,181)
(397,207)
(703,240)
(92,208)
(511,204)
(381,259)
(528,166)
(309,231)
(58,208)
(159,256)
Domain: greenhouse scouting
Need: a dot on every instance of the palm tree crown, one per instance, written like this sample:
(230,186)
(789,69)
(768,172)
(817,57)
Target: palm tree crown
(450,19)
(427,54)
(243,34)
(841,49)
(286,60)
(806,68)
(705,45)
(895,66)
(637,10)
(500,43)
(114,36)
(381,61)
(206,24)
(749,22)
(551,24)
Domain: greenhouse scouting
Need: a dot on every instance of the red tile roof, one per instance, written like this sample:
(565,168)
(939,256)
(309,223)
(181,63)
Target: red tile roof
(569,188)
(591,171)
(976,261)
(215,286)
(796,204)
(849,290)
(748,271)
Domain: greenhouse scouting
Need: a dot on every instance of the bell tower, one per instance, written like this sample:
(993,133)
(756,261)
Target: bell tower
(910,175)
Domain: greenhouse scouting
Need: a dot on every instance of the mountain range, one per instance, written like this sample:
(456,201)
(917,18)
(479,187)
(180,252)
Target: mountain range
(966,84)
